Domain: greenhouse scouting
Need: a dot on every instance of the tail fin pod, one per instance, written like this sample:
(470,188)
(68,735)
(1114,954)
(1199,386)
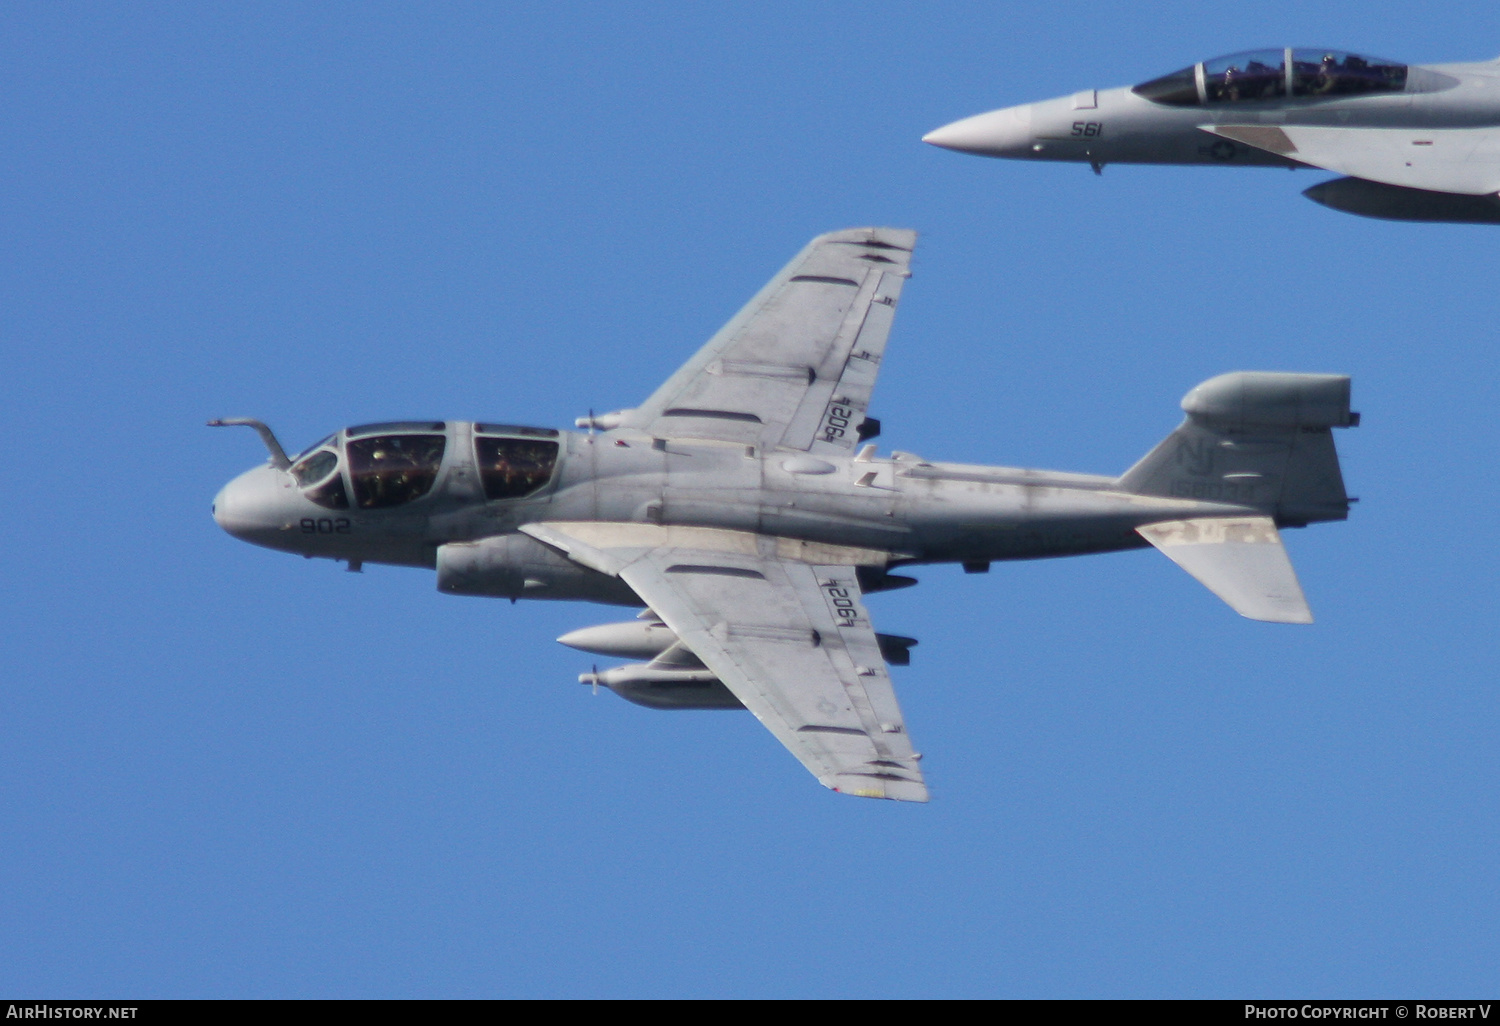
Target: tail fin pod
(1258,439)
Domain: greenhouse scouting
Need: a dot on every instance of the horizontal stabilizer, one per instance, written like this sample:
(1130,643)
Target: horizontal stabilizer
(1239,559)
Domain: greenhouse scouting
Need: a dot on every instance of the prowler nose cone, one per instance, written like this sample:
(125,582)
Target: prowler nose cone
(251,506)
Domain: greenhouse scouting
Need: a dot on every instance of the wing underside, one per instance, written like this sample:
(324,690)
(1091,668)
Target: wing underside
(1457,160)
(796,367)
(790,638)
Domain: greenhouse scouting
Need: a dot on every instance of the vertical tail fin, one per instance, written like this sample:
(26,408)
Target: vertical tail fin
(1256,439)
(1259,440)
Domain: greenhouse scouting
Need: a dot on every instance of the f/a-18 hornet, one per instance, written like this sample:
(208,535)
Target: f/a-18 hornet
(1419,143)
(743,507)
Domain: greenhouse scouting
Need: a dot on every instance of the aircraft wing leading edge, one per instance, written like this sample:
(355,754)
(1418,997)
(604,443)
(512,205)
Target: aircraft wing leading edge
(790,638)
(814,677)
(1458,160)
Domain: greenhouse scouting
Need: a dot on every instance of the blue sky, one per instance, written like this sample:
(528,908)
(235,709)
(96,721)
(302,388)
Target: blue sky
(230,772)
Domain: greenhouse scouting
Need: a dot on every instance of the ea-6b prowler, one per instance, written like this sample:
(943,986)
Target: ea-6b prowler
(741,505)
(1418,143)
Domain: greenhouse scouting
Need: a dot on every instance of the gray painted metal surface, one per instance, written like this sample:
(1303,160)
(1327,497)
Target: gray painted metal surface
(1239,559)
(741,507)
(1419,143)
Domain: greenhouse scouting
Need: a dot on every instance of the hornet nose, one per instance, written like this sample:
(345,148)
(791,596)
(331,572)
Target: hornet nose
(998,133)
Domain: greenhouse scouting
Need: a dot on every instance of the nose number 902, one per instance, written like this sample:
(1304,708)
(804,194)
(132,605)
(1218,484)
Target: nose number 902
(325,525)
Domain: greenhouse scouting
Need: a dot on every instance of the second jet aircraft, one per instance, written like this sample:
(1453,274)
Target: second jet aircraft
(1418,143)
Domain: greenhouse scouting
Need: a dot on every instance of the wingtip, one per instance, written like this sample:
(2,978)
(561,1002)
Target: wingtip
(895,238)
(1303,616)
(895,791)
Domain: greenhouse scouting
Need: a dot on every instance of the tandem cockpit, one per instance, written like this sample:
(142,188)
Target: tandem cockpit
(382,466)
(1265,76)
(372,468)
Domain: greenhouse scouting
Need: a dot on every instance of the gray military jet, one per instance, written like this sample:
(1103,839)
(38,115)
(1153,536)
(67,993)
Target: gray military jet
(743,507)
(1419,143)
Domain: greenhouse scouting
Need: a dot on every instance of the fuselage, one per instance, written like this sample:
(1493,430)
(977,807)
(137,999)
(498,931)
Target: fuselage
(453,496)
(1126,125)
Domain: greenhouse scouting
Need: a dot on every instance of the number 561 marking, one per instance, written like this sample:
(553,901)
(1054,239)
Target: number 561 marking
(1088,129)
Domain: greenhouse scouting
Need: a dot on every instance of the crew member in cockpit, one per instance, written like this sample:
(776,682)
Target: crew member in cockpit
(1232,84)
(1327,77)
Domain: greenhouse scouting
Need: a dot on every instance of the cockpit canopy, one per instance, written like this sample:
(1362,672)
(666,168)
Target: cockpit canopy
(317,475)
(387,465)
(512,467)
(1260,76)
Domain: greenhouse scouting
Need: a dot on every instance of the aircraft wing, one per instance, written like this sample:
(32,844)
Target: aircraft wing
(789,637)
(1458,160)
(795,368)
